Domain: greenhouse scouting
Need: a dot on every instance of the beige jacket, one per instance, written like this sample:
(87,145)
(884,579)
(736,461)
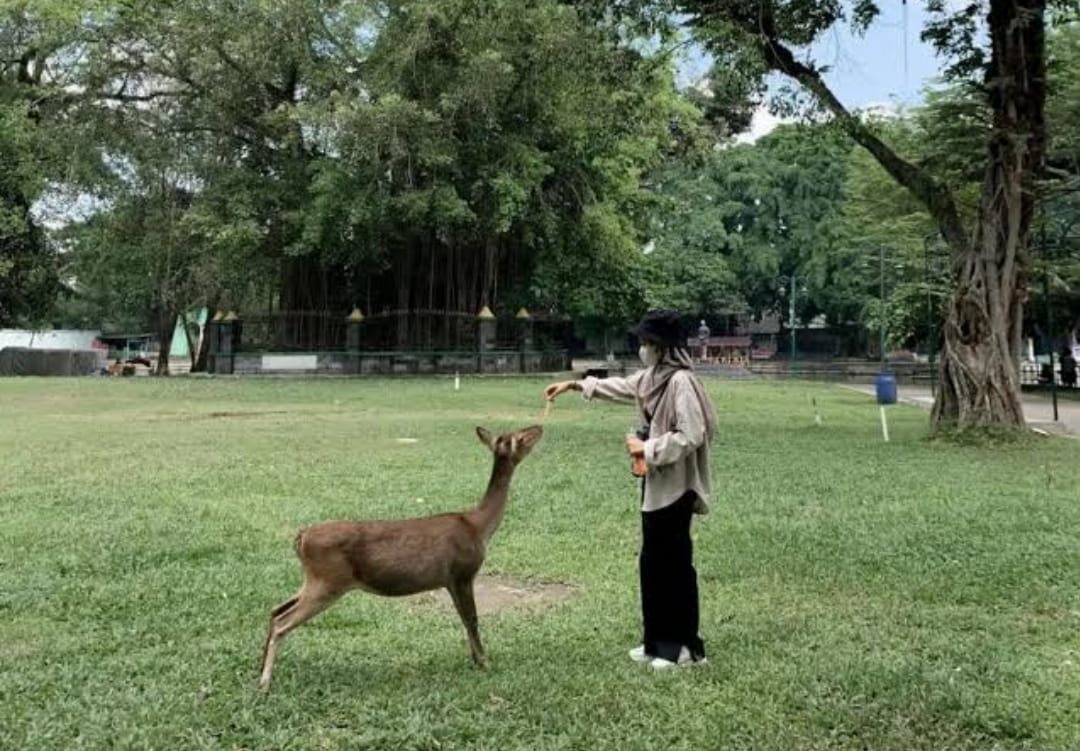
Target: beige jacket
(677,454)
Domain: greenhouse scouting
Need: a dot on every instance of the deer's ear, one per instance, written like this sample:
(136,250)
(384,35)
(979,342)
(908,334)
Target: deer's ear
(530,435)
(485,437)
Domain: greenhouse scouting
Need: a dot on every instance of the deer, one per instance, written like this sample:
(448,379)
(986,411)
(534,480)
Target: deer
(394,558)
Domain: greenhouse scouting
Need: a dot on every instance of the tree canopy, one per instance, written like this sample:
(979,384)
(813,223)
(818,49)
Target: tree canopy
(443,155)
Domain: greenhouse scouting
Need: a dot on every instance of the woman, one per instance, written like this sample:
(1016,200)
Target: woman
(672,402)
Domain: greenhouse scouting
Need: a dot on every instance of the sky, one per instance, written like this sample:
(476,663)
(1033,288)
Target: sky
(889,66)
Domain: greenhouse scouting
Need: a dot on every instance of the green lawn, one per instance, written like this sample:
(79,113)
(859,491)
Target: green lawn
(856,594)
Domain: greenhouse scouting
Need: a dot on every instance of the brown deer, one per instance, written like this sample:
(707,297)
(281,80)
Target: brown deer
(402,557)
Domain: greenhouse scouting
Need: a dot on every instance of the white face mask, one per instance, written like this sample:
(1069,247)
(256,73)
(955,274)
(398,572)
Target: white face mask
(649,354)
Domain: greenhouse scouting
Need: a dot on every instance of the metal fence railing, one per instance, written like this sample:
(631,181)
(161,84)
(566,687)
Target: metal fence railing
(1038,374)
(400,331)
(296,331)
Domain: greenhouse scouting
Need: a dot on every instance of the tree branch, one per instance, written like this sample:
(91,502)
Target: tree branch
(62,100)
(24,75)
(1059,169)
(228,59)
(119,96)
(937,199)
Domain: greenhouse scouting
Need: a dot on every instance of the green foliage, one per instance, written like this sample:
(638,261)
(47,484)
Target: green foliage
(537,147)
(1057,234)
(1063,101)
(880,218)
(727,231)
(375,141)
(28,264)
(595,270)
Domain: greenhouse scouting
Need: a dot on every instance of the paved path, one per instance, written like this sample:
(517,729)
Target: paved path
(1038,409)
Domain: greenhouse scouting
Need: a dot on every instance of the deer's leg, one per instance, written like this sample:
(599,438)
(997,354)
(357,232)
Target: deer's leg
(312,600)
(280,609)
(462,594)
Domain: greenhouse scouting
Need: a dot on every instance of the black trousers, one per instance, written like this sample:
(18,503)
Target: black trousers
(669,591)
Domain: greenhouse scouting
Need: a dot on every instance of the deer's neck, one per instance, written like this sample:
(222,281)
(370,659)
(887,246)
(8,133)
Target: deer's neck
(489,512)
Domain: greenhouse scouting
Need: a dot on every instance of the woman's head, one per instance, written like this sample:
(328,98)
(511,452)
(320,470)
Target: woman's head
(659,332)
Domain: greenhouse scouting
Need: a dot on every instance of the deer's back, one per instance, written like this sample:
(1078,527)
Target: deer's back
(393,557)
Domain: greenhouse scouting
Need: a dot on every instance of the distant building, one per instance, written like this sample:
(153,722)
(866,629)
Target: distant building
(749,340)
(56,339)
(124,346)
(63,352)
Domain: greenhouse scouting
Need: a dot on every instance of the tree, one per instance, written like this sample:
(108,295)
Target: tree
(31,82)
(887,241)
(1058,227)
(398,155)
(689,255)
(63,88)
(28,265)
(984,316)
(506,145)
(729,228)
(142,258)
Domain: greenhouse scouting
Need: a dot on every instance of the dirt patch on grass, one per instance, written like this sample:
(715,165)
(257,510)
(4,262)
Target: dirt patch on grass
(497,593)
(186,416)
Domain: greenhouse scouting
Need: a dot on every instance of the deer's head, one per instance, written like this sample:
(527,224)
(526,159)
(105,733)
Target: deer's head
(513,446)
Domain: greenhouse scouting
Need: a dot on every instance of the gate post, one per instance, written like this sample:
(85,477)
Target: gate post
(353,324)
(485,339)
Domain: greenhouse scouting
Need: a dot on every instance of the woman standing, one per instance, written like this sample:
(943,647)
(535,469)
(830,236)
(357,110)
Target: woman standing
(681,421)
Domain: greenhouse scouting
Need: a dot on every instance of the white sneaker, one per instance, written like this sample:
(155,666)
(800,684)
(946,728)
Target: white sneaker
(637,654)
(685,660)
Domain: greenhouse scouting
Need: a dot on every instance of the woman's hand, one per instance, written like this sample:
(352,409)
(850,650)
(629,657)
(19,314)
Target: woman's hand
(562,387)
(634,445)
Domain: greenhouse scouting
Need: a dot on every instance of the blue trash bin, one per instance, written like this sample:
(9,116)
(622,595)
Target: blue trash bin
(885,386)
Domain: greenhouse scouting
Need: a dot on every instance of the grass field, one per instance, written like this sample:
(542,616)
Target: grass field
(856,594)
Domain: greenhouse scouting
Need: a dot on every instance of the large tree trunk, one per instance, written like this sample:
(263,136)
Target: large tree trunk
(200,363)
(166,326)
(980,384)
(192,345)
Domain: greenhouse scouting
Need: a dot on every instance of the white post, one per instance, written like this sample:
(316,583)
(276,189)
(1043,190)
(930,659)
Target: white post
(884,425)
(457,382)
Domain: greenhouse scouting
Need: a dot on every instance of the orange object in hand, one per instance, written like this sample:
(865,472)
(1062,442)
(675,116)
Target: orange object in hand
(636,448)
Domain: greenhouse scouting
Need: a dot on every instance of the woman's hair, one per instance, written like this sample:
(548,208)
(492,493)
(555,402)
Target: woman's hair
(662,328)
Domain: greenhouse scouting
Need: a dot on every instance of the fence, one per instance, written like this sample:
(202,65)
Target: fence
(920,373)
(290,332)
(841,370)
(400,330)
(400,341)
(1038,374)
(50,362)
